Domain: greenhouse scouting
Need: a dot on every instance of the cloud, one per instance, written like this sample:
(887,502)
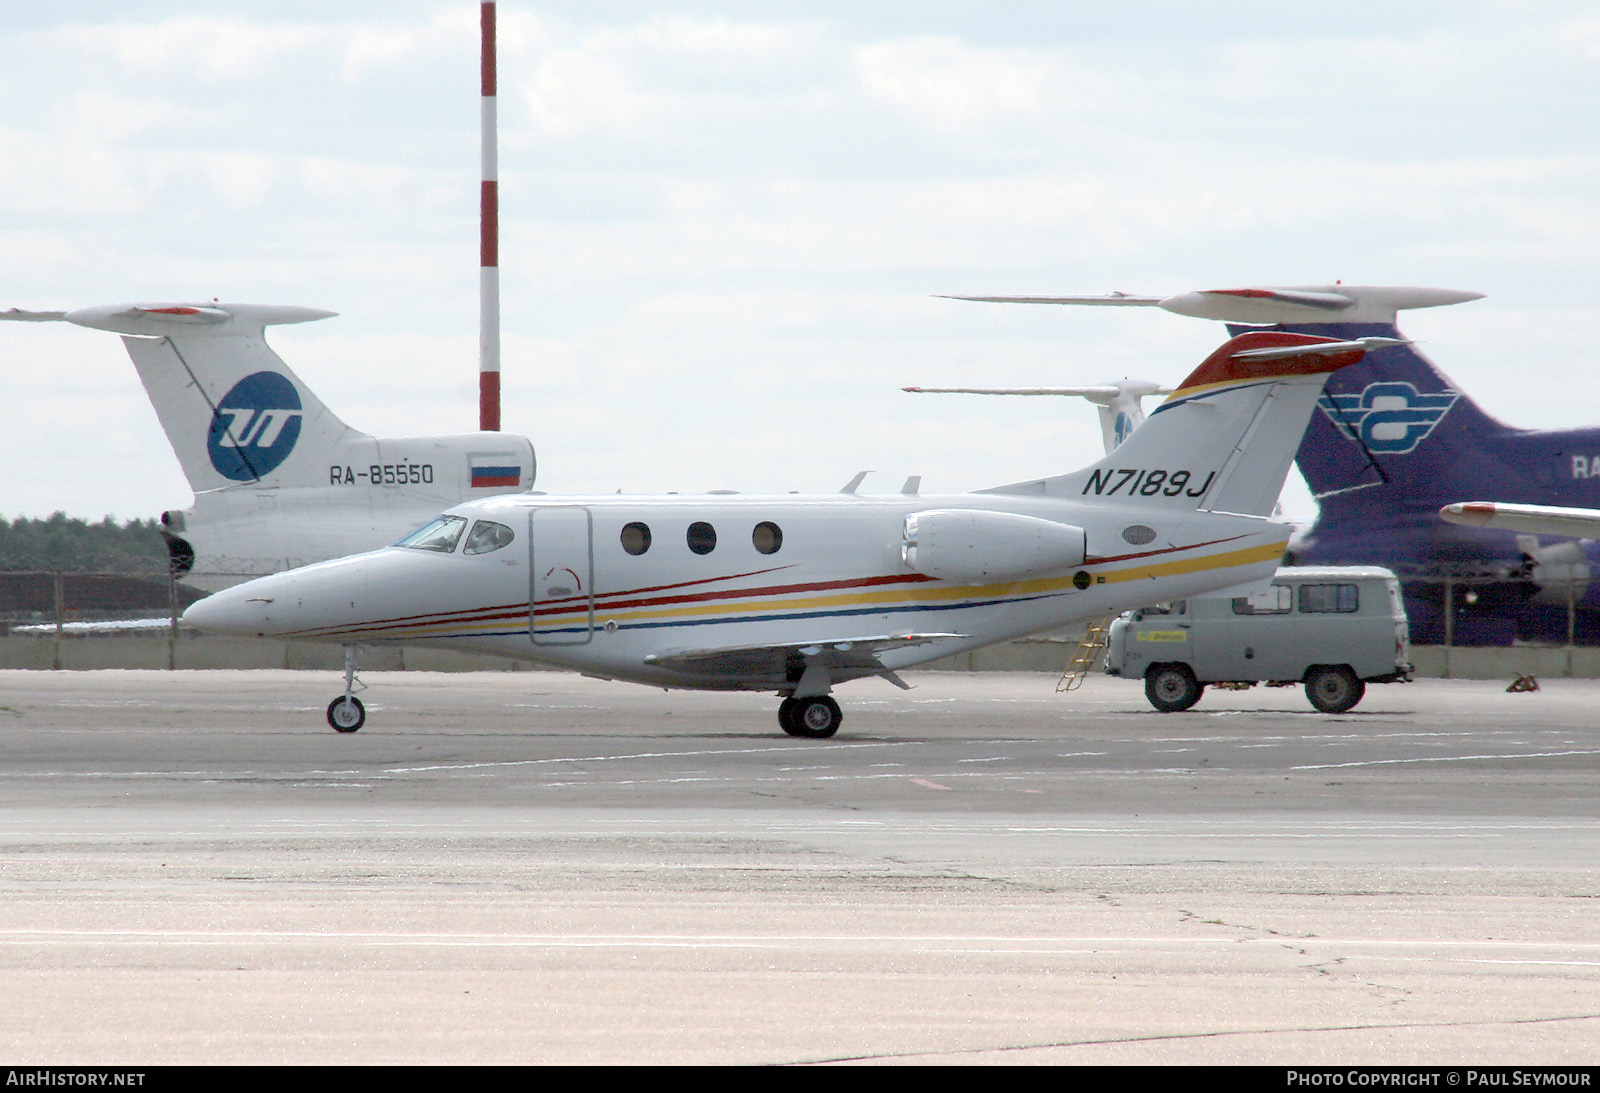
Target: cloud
(946,84)
(633,79)
(210,50)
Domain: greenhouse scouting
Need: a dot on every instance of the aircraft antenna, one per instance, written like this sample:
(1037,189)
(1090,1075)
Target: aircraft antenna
(489,244)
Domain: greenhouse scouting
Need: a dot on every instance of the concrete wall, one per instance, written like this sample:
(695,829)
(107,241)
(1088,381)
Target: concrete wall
(156,650)
(159,651)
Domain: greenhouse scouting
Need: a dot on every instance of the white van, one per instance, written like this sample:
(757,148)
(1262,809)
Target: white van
(1333,628)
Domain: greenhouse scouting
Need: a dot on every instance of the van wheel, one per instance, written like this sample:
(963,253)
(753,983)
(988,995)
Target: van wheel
(1333,690)
(1171,687)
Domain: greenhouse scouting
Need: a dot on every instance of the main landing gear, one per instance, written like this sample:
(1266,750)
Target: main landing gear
(816,716)
(346,713)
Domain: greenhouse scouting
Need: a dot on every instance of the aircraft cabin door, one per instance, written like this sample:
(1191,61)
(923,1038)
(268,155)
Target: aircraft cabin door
(561,553)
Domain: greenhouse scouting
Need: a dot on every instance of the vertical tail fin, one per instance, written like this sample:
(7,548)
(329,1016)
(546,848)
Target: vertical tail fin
(233,412)
(1223,441)
(1393,436)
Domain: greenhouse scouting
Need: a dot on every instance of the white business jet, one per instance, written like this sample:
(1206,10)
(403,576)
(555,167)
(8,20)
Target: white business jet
(796,594)
(279,481)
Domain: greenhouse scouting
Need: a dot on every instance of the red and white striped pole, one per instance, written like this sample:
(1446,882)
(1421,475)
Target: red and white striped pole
(489,246)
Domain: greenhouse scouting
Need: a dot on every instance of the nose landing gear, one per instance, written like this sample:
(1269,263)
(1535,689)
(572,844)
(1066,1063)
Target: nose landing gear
(346,713)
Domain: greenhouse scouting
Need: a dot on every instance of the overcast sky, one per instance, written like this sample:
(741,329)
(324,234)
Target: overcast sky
(723,223)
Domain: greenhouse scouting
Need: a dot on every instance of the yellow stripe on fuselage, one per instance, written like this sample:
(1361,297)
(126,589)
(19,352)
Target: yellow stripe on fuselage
(923,594)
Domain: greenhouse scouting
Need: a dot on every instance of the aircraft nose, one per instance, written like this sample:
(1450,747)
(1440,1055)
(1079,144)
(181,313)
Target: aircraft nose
(329,594)
(241,611)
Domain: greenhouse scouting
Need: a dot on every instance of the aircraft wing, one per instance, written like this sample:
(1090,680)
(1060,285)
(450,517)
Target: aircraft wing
(1538,519)
(840,658)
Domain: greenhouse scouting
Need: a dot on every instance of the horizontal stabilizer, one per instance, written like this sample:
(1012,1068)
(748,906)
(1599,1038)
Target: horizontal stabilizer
(1297,303)
(1102,392)
(1120,402)
(1321,349)
(1110,299)
(157,320)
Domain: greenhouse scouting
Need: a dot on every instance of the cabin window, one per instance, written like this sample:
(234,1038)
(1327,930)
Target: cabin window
(487,537)
(1329,599)
(767,537)
(636,538)
(702,537)
(1274,601)
(441,534)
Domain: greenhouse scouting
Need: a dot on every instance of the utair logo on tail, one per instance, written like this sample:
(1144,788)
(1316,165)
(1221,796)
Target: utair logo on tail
(255,427)
(1390,417)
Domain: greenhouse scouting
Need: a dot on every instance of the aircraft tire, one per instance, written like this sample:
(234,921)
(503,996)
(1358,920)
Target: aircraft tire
(786,717)
(1171,687)
(346,714)
(814,718)
(1333,689)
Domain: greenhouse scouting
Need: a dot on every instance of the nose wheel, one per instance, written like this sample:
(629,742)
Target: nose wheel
(816,717)
(346,713)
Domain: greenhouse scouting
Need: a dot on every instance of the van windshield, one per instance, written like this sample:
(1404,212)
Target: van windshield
(1177,607)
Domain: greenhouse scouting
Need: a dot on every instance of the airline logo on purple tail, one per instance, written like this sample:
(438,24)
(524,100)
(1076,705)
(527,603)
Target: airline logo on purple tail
(1389,418)
(254,427)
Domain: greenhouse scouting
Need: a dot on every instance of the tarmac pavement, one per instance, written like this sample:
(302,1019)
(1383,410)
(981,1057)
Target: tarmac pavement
(537,867)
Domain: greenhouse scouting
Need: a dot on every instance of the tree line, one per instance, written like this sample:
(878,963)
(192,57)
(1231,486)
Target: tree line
(72,544)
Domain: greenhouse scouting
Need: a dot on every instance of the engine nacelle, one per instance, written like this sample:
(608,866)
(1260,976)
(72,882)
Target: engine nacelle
(973,545)
(1556,567)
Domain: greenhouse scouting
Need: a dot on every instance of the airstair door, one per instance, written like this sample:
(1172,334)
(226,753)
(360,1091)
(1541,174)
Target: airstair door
(561,610)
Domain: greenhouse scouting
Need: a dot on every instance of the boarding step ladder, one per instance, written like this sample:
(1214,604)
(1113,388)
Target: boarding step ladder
(1094,640)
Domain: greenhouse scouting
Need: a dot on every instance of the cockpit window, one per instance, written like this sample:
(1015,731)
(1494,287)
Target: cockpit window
(441,534)
(487,536)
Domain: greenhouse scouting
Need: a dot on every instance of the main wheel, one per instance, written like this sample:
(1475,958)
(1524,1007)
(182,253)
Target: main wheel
(817,717)
(786,717)
(1333,689)
(346,714)
(1171,687)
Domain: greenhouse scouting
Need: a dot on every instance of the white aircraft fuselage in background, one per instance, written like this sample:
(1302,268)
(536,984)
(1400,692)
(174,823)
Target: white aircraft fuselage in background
(279,480)
(797,594)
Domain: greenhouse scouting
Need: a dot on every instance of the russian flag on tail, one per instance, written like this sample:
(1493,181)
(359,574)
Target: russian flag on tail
(495,476)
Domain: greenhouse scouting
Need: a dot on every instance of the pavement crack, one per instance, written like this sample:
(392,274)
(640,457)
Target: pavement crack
(1189,1037)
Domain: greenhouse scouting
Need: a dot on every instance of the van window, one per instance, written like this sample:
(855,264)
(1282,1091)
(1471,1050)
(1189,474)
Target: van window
(1329,599)
(1177,607)
(1274,601)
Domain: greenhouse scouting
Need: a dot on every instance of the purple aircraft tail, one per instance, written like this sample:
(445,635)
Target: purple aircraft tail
(1392,441)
